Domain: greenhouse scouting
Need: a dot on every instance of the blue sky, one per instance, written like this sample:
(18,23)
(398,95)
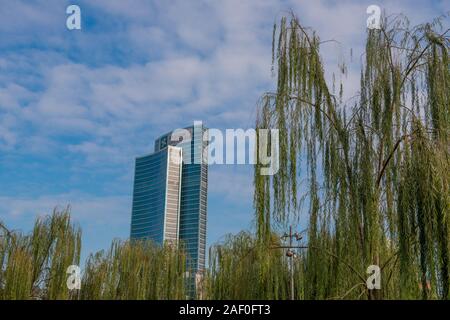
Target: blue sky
(76,107)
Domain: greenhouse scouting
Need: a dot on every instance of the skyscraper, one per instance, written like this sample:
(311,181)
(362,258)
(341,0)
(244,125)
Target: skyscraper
(156,199)
(170,201)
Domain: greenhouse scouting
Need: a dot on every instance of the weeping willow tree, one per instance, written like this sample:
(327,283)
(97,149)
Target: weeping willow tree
(34,266)
(239,269)
(376,167)
(137,271)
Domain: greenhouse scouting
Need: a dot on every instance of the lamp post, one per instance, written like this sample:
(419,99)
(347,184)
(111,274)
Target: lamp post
(290,254)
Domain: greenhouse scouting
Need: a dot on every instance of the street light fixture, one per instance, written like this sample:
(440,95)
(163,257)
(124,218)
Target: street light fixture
(290,253)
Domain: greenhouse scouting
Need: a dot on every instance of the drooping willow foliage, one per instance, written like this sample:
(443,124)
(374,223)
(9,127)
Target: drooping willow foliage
(377,166)
(240,270)
(136,271)
(35,266)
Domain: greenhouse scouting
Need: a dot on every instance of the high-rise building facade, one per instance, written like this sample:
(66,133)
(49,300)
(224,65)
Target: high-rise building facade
(155,200)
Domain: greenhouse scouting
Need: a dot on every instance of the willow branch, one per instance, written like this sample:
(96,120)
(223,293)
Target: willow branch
(340,260)
(386,162)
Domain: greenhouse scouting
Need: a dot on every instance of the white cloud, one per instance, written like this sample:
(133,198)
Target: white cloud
(38,15)
(232,184)
(200,60)
(87,209)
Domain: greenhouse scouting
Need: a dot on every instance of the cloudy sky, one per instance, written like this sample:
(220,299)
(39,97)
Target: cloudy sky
(76,107)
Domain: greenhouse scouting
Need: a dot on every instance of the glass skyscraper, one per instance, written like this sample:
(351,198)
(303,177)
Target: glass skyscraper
(170,202)
(156,199)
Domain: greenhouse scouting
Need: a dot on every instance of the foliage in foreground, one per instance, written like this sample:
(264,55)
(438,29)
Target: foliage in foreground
(34,266)
(377,181)
(376,167)
(137,271)
(240,269)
